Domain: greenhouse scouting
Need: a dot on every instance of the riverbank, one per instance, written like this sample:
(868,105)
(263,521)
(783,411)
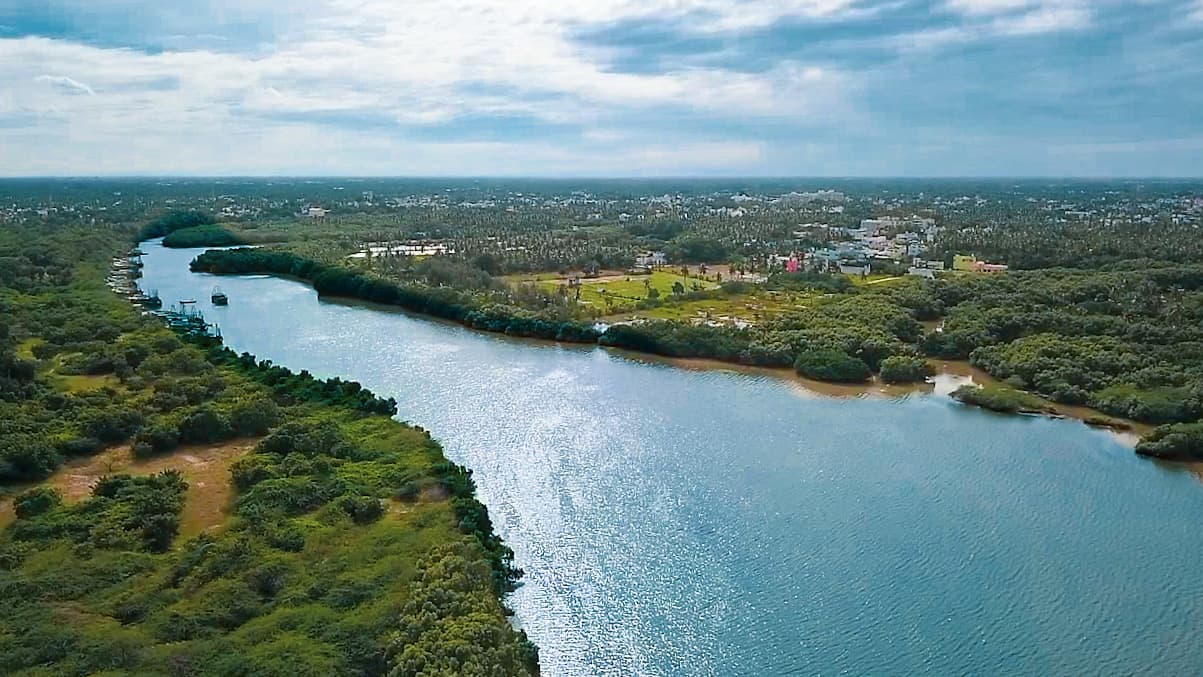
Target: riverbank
(950,375)
(332,281)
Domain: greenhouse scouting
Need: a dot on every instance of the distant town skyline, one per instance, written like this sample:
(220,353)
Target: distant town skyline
(602,88)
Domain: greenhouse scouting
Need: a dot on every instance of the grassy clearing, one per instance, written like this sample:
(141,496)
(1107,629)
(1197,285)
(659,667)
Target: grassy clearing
(874,279)
(25,348)
(617,290)
(751,308)
(80,383)
(206,469)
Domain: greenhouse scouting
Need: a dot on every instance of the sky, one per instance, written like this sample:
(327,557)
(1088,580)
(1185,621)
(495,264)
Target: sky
(1085,88)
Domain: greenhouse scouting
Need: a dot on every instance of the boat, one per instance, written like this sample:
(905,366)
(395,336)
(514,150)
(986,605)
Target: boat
(219,297)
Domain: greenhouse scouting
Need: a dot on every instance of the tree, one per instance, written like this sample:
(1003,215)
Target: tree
(903,369)
(36,501)
(832,365)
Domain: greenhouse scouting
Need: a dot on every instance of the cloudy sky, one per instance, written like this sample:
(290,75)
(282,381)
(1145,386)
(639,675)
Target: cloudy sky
(602,87)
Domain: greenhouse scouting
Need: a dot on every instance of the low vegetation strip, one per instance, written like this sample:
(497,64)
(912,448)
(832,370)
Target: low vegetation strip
(444,302)
(1003,399)
(1178,442)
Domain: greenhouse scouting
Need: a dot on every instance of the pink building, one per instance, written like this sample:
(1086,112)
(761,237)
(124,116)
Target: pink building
(983,267)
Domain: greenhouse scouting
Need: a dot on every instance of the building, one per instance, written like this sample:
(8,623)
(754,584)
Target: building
(930,263)
(651,260)
(972,265)
(983,267)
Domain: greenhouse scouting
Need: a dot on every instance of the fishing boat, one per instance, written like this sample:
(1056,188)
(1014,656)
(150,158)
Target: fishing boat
(219,297)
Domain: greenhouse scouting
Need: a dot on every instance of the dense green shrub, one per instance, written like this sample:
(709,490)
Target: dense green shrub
(210,235)
(1178,441)
(174,220)
(362,509)
(36,501)
(902,369)
(155,439)
(1001,398)
(204,426)
(833,366)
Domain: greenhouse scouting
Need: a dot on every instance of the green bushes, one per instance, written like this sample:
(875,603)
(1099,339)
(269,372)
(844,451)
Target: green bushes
(362,509)
(307,576)
(25,457)
(174,220)
(254,417)
(154,440)
(205,426)
(113,424)
(210,235)
(36,501)
(1159,405)
(1128,342)
(902,369)
(464,644)
(124,513)
(833,366)
(1178,441)
(1002,399)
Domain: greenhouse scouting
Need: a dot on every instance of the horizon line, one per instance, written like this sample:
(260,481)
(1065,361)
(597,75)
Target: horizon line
(616,177)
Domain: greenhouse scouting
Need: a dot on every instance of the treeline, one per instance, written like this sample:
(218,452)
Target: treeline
(210,235)
(294,388)
(1084,243)
(1126,342)
(178,219)
(1177,442)
(444,302)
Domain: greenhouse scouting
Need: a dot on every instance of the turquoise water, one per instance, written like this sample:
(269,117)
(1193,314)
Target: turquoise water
(681,522)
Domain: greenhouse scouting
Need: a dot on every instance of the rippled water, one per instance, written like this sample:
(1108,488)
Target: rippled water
(677,522)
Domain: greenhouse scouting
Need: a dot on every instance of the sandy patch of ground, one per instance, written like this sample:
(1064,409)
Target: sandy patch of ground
(206,469)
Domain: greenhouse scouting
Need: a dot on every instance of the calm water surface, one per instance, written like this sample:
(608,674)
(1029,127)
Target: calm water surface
(678,522)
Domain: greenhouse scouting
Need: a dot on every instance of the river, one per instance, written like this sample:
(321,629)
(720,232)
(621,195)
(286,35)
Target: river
(712,522)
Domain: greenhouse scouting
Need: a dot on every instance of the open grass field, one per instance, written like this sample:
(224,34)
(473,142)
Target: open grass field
(616,291)
(749,308)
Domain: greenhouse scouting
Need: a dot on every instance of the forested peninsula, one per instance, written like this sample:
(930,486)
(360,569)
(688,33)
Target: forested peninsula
(350,544)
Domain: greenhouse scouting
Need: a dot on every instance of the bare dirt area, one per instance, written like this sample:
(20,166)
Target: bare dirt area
(206,469)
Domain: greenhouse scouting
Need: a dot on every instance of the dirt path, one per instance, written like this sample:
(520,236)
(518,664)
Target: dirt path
(206,469)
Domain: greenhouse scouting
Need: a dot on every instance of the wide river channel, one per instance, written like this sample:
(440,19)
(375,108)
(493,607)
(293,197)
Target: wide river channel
(711,522)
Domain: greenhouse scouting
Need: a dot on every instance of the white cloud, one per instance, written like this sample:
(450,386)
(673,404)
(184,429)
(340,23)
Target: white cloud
(1046,19)
(66,84)
(988,7)
(403,70)
(1025,17)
